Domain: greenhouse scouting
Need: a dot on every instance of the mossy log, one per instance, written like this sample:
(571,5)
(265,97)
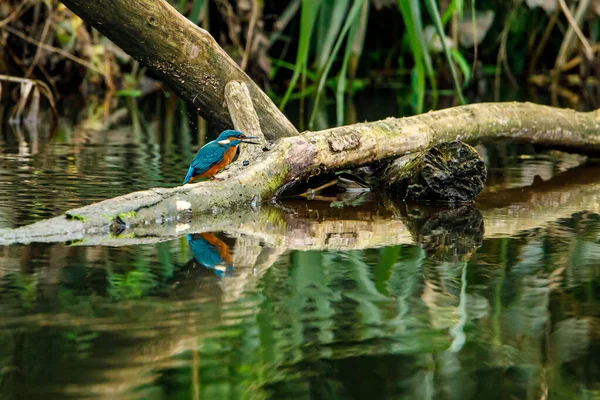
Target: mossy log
(447,172)
(182,54)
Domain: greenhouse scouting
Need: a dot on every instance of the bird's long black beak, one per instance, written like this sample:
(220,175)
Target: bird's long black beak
(244,139)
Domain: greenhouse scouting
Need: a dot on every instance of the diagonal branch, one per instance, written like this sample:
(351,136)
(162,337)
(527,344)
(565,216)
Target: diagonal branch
(183,55)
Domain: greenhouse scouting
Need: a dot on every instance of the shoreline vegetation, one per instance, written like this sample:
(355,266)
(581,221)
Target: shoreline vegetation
(302,50)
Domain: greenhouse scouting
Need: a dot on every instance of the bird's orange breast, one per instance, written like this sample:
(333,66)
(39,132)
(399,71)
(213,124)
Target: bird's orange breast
(225,161)
(221,247)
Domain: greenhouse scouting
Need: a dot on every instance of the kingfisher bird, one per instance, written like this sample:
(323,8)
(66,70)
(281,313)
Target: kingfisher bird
(211,252)
(216,155)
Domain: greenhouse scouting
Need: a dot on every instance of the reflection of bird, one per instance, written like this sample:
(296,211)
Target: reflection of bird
(211,252)
(216,155)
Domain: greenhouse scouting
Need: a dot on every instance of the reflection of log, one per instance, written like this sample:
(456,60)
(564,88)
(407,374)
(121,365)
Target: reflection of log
(448,172)
(298,157)
(448,234)
(305,227)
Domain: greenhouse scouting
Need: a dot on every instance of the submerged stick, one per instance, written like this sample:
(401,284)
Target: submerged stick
(447,172)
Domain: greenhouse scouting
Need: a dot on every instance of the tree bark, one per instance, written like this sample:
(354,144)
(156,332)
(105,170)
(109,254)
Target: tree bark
(447,172)
(183,55)
(299,157)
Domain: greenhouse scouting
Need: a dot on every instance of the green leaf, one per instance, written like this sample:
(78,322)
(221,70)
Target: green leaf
(332,15)
(352,18)
(196,8)
(128,93)
(435,14)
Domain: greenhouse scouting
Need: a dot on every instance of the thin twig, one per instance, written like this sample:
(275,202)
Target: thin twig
(54,50)
(476,44)
(251,27)
(283,21)
(44,89)
(16,79)
(542,43)
(583,5)
(21,8)
(232,22)
(575,61)
(501,59)
(51,81)
(38,52)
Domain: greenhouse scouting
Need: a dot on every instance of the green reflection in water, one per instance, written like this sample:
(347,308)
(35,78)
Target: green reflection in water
(519,319)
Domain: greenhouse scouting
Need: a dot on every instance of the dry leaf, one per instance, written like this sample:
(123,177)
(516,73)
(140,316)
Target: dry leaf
(595,6)
(547,5)
(483,22)
(433,40)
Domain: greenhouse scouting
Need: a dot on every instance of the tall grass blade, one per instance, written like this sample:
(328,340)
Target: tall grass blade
(435,14)
(415,10)
(308,17)
(462,64)
(196,9)
(353,49)
(341,86)
(420,38)
(417,83)
(352,17)
(460,5)
(411,14)
(358,42)
(454,6)
(331,17)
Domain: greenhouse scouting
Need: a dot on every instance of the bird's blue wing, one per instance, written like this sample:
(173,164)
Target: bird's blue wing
(206,157)
(206,254)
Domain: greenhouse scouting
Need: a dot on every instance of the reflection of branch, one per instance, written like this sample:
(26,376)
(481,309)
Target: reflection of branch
(504,213)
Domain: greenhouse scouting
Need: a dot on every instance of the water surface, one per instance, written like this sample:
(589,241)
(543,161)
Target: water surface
(350,299)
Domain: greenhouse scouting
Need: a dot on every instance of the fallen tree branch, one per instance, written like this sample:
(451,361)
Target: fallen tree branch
(505,213)
(299,157)
(183,55)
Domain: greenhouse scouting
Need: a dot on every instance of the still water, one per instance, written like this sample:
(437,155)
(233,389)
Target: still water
(344,299)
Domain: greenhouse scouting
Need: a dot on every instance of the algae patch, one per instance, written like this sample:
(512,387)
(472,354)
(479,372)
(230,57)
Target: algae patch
(76,217)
